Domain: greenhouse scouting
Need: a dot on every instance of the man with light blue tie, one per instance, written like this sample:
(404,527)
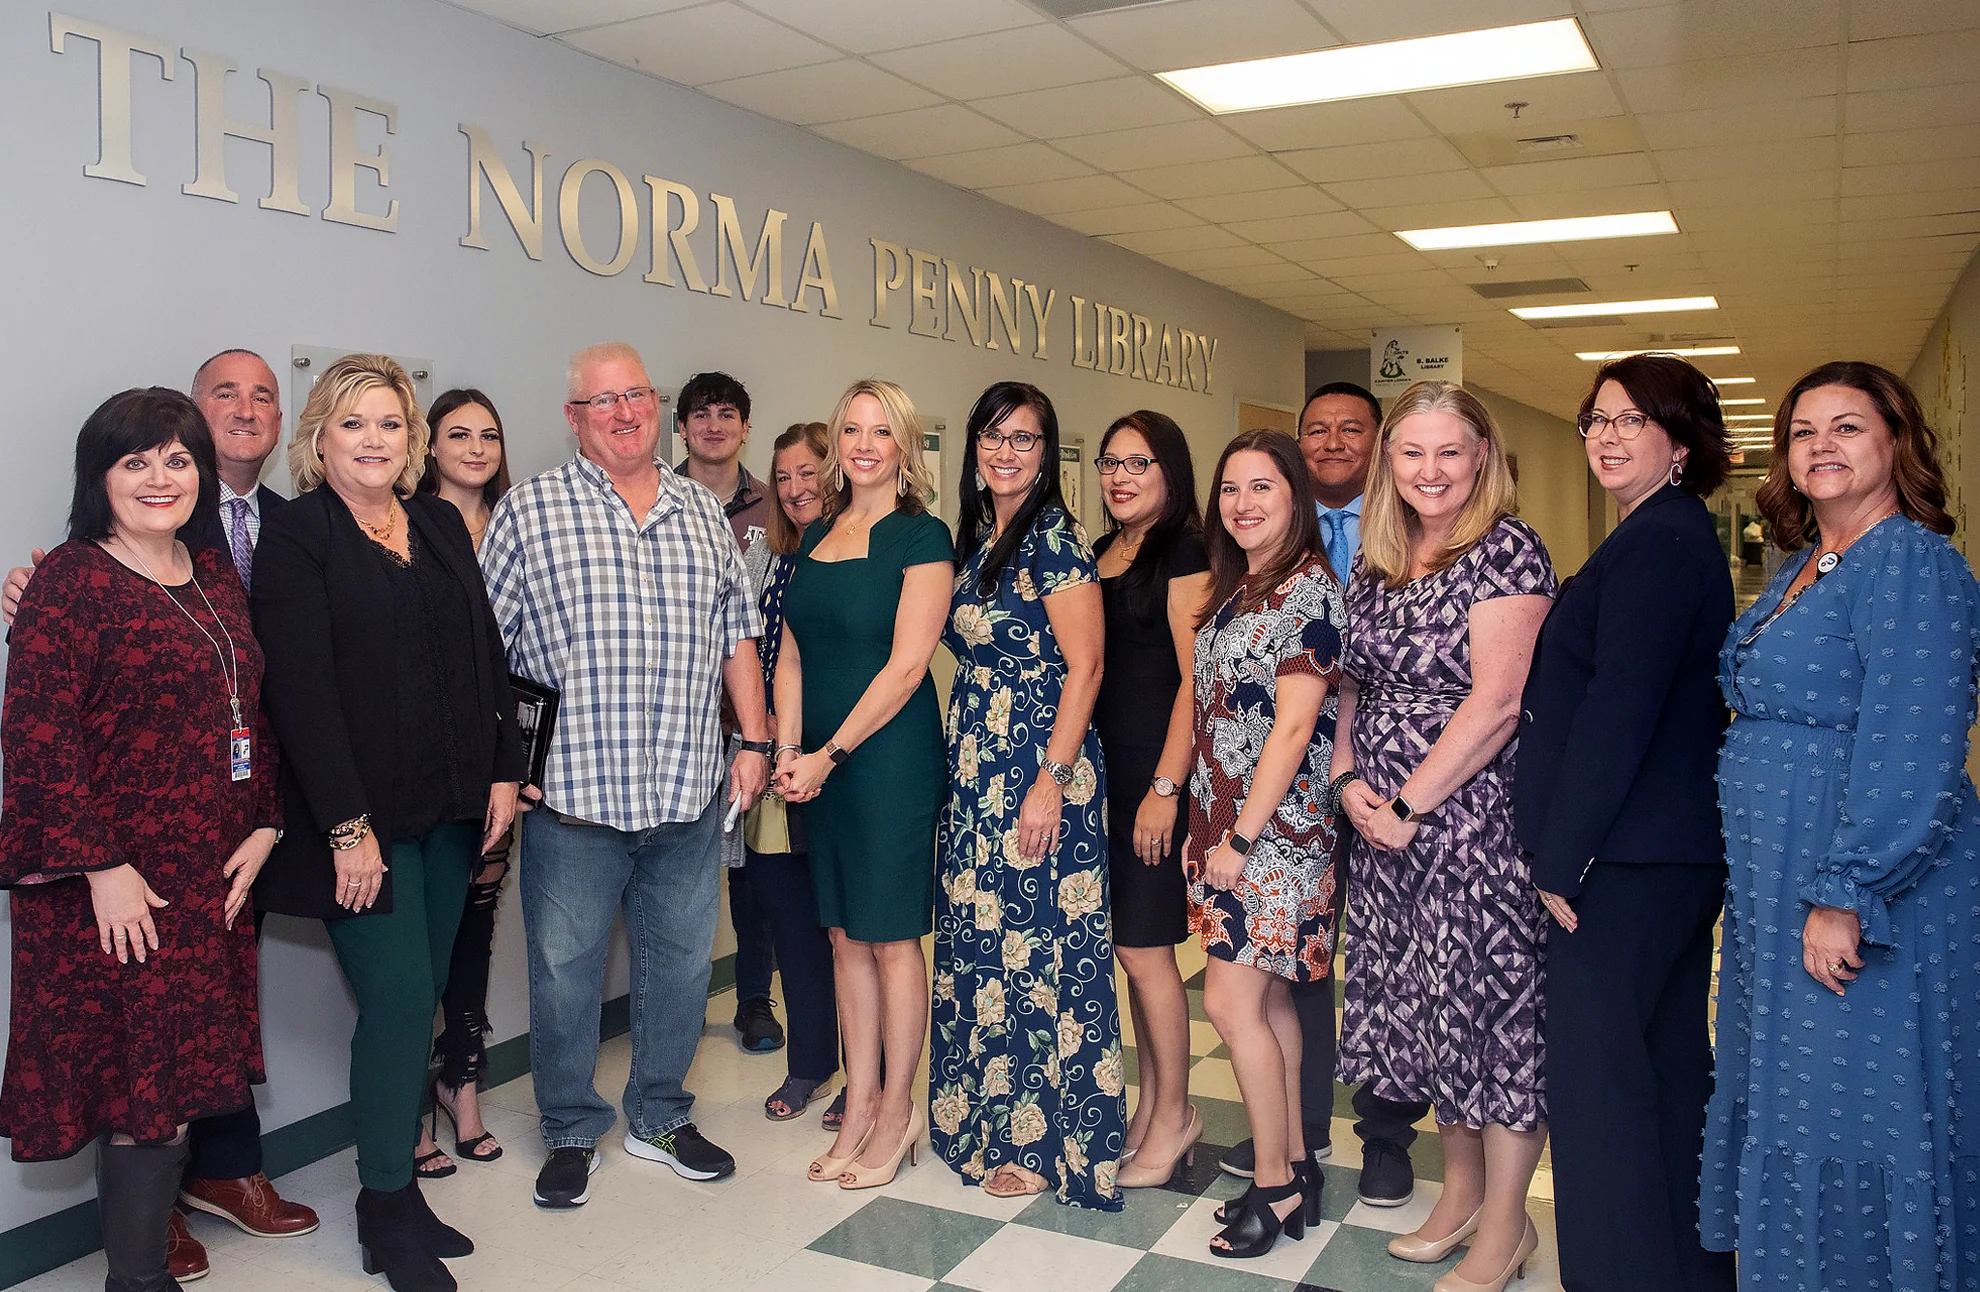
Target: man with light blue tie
(1338,432)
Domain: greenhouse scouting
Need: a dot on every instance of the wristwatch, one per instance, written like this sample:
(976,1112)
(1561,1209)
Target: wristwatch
(763,747)
(1240,845)
(1164,787)
(1062,773)
(1402,809)
(836,754)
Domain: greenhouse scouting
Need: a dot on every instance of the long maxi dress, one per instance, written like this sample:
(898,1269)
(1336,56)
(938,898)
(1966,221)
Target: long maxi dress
(1842,1144)
(1025,1066)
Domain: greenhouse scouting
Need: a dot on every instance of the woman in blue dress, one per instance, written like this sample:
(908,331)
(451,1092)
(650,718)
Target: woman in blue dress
(1842,1145)
(1025,1069)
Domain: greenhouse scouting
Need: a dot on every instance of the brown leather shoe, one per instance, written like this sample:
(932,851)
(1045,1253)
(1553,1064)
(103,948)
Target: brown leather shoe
(185,1259)
(252,1204)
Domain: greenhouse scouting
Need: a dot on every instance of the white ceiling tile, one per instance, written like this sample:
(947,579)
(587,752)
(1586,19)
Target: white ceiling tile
(1910,18)
(1166,145)
(1927,105)
(1445,186)
(1571,173)
(1605,201)
(1929,143)
(1361,22)
(1056,195)
(822,92)
(1202,179)
(1439,214)
(1698,29)
(1861,181)
(1345,267)
(1794,186)
(1746,162)
(1788,219)
(1880,206)
(1905,62)
(1256,280)
(1740,78)
(1199,237)
(1375,161)
(1961,223)
(1549,102)
(1004,62)
(1329,125)
(1194,33)
(711,42)
(1219,258)
(548,17)
(1265,205)
(1113,104)
(1294,228)
(1134,217)
(922,132)
(1746,123)
(869,26)
(1359,244)
(1012,164)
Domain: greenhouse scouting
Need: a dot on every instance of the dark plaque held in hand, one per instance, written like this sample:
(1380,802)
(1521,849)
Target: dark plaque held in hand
(536,715)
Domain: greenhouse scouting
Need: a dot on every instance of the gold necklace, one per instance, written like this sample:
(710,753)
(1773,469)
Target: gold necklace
(1828,558)
(382,533)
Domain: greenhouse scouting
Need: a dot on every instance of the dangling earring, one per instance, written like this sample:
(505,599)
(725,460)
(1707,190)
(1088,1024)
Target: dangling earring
(1677,470)
(979,477)
(900,482)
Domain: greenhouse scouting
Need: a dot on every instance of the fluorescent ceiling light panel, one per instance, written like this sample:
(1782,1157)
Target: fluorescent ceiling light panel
(1732,381)
(1389,67)
(1733,403)
(1586,309)
(1521,233)
(1687,352)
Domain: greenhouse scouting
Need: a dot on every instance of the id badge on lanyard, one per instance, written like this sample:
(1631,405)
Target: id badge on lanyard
(240,756)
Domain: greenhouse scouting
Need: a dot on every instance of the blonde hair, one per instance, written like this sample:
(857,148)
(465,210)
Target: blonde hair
(1389,525)
(342,384)
(906,426)
(603,352)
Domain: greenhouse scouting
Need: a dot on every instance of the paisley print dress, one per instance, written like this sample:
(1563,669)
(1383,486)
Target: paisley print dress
(1025,1063)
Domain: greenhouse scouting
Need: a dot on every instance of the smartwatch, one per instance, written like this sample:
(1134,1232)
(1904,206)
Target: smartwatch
(1401,808)
(836,754)
(1239,844)
(1164,787)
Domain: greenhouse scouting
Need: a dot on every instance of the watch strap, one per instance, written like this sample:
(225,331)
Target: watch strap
(836,754)
(763,747)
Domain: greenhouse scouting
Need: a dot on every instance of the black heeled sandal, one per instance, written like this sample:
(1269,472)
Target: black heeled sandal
(1312,1183)
(1256,1231)
(1230,1211)
(474,1150)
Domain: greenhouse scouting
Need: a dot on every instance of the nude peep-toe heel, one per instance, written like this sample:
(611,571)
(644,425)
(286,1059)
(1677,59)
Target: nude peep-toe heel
(826,1169)
(859,1176)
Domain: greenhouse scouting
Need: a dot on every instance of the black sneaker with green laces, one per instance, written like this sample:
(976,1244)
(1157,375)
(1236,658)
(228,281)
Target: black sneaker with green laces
(565,1180)
(686,1150)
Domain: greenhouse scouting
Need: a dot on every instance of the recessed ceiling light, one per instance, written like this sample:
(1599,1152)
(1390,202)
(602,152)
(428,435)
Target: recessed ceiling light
(1734,403)
(1686,352)
(1389,67)
(1732,381)
(1519,233)
(1584,309)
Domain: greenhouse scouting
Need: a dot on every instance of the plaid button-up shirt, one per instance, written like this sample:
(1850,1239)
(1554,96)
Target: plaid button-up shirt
(631,622)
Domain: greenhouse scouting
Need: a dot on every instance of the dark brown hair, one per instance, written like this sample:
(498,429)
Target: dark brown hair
(125,425)
(784,536)
(1921,488)
(449,403)
(1682,400)
(1228,565)
(1145,585)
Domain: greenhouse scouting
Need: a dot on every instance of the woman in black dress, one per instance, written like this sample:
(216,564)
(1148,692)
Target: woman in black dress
(1153,574)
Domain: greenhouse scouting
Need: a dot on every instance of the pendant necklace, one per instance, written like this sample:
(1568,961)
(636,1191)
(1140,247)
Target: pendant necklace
(239,738)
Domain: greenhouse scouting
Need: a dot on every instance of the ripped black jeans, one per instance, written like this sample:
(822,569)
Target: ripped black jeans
(464,1005)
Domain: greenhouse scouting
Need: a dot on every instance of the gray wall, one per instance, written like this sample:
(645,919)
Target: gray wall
(112,285)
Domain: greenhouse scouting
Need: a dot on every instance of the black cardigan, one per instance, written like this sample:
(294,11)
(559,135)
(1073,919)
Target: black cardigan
(1621,720)
(323,615)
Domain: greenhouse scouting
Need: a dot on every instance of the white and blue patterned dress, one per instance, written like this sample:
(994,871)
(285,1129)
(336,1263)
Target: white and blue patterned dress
(1025,1065)
(1842,1145)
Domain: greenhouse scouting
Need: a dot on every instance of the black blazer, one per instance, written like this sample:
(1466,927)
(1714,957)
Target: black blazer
(1621,719)
(323,615)
(205,529)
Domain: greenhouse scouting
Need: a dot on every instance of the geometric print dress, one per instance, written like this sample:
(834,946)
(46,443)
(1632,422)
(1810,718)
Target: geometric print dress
(1446,938)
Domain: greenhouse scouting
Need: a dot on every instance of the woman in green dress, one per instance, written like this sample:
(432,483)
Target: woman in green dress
(862,617)
(1025,1072)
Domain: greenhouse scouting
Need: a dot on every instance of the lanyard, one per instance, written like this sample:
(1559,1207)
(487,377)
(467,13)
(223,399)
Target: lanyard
(230,667)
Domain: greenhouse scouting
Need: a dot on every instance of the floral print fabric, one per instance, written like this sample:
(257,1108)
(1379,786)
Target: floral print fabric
(1025,1066)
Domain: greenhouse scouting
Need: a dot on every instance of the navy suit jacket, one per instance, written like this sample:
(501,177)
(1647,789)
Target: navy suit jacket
(1621,720)
(205,530)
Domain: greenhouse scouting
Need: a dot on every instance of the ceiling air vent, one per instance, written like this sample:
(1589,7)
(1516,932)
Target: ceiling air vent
(1495,291)
(1549,144)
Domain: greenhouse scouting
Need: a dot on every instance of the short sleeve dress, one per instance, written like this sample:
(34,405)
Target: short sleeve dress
(1445,938)
(1025,1064)
(1131,713)
(1280,915)
(871,830)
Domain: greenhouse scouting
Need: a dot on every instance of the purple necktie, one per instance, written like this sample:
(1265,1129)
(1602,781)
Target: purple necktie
(243,544)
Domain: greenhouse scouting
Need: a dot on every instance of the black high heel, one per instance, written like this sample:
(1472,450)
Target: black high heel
(1230,1211)
(1256,1231)
(1312,1183)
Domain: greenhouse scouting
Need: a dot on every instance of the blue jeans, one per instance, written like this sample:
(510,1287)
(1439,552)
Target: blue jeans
(575,878)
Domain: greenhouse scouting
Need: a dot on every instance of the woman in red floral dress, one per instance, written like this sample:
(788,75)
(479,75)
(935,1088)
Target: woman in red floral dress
(138,808)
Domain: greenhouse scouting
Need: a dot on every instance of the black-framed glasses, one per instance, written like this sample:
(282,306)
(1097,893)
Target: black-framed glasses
(1627,426)
(640,397)
(1022,441)
(1134,466)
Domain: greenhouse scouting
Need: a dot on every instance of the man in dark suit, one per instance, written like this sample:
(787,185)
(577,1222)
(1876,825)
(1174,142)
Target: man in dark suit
(1339,430)
(237,391)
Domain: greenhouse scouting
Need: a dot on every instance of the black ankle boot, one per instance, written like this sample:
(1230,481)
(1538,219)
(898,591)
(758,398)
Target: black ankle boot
(1256,1231)
(390,1243)
(136,1185)
(441,1238)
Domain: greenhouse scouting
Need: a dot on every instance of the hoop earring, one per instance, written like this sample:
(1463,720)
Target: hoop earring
(1677,470)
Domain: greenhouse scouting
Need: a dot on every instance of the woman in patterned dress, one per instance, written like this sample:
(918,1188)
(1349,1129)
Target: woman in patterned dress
(1261,834)
(1841,1150)
(1446,938)
(1025,1070)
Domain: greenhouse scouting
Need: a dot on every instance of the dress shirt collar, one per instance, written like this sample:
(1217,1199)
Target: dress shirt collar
(1350,508)
(252,498)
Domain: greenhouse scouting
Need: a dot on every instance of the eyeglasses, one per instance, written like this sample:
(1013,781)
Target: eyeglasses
(1022,441)
(1106,466)
(640,397)
(1627,425)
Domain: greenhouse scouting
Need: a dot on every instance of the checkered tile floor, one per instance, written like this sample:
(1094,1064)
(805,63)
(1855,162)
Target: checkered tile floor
(769,1228)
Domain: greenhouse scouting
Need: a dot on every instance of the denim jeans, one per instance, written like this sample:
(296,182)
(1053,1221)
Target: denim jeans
(575,879)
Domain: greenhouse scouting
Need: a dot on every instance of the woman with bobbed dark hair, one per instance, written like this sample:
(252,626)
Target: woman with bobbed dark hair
(1615,803)
(1840,1143)
(139,807)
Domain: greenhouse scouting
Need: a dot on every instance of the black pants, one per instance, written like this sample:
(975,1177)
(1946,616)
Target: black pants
(462,1052)
(780,886)
(227,1146)
(1376,1118)
(1629,1068)
(756,948)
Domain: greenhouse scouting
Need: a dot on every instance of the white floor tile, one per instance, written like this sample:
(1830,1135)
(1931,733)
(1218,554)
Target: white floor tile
(1021,1257)
(818,1272)
(1189,1240)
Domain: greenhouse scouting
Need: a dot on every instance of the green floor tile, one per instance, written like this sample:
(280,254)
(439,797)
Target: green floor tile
(1154,1273)
(1338,1195)
(1145,1215)
(1358,1259)
(906,1236)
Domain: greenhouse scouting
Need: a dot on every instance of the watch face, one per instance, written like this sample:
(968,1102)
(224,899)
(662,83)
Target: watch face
(1164,787)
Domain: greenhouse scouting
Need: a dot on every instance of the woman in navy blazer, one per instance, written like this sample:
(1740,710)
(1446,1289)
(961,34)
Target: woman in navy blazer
(1615,799)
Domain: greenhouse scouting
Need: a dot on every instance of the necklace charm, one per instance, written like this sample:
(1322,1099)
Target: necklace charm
(1827,562)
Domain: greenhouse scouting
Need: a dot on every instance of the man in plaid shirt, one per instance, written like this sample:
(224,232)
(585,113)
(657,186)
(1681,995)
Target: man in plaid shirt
(617,583)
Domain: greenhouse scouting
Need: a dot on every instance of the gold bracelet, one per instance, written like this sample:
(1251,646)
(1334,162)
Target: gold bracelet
(349,834)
